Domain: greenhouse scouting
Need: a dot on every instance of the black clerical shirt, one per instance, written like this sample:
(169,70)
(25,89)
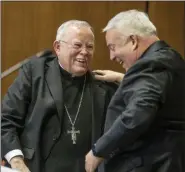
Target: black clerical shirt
(66,156)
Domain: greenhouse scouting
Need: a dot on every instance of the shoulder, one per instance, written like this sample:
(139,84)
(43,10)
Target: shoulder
(39,61)
(165,59)
(47,57)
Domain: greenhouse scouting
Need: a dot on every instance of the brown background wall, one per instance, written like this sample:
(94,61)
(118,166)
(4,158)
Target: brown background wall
(29,27)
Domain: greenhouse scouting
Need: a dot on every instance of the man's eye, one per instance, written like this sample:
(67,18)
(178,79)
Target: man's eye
(90,47)
(112,48)
(77,45)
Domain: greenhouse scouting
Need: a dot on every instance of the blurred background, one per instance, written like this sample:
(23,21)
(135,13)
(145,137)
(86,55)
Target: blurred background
(30,27)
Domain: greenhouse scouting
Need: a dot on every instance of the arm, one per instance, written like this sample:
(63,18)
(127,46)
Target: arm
(108,75)
(14,109)
(148,91)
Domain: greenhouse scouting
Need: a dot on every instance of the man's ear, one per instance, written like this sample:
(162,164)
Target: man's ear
(135,42)
(56,46)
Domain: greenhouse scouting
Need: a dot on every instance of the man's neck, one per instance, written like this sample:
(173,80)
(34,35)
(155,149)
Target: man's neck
(145,43)
(72,74)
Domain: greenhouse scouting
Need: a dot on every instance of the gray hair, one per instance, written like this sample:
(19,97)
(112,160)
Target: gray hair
(77,23)
(132,22)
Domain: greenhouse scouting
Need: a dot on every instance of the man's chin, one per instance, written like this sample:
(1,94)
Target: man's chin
(80,71)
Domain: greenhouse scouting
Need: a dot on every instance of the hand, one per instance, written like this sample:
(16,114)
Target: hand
(108,75)
(18,164)
(92,162)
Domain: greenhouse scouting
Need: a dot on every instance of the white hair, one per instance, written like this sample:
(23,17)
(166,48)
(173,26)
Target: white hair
(132,22)
(77,23)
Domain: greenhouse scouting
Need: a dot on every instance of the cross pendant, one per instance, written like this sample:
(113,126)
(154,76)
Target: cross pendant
(73,133)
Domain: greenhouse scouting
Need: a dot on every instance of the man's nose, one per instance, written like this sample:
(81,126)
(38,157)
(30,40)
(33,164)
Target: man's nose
(84,50)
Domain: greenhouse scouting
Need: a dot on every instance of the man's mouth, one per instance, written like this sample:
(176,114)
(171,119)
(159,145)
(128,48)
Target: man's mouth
(81,60)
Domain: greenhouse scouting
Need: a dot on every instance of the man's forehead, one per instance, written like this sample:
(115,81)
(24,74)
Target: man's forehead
(80,29)
(81,40)
(113,36)
(80,33)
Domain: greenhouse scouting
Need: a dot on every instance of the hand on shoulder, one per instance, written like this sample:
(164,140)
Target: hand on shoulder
(108,75)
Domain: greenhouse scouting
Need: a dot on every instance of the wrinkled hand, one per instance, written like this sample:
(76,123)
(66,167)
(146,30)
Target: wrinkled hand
(92,162)
(108,75)
(18,164)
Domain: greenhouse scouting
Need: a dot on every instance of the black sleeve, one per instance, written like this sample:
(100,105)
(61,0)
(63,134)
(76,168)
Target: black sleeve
(111,89)
(148,91)
(14,109)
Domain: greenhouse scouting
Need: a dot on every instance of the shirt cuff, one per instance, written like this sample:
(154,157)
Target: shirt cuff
(13,153)
(94,150)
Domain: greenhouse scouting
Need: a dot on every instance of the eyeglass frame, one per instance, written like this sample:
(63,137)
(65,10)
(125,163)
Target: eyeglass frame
(78,48)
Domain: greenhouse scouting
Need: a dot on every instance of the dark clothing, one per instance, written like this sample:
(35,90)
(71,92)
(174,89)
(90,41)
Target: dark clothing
(145,124)
(65,155)
(34,119)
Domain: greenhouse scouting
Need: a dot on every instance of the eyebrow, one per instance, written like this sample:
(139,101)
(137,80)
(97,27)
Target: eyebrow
(89,43)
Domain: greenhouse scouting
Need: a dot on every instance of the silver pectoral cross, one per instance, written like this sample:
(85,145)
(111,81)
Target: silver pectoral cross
(73,133)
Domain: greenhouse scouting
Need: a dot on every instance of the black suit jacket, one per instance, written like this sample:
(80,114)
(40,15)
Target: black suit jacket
(145,124)
(35,93)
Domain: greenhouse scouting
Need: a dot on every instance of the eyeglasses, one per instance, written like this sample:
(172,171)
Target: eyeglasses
(79,46)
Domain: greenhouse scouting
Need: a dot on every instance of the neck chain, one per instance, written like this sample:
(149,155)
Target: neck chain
(73,132)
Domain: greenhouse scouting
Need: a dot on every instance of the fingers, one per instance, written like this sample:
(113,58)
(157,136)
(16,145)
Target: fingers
(99,72)
(19,165)
(21,168)
(100,77)
(88,168)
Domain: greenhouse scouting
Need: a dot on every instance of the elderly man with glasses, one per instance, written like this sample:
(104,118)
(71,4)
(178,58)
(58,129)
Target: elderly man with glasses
(55,109)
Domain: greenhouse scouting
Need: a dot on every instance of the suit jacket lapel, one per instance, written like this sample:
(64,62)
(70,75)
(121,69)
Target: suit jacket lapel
(98,106)
(54,82)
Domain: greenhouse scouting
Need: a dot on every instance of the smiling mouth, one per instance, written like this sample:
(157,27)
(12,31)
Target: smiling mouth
(81,61)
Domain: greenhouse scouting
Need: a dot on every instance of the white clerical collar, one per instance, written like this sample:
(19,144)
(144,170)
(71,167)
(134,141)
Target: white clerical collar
(64,69)
(60,64)
(72,75)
